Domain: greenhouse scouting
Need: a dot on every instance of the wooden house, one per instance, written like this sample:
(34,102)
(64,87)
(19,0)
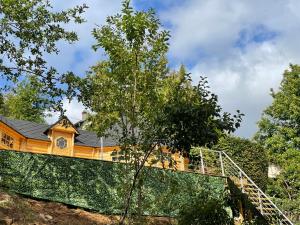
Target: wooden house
(62,138)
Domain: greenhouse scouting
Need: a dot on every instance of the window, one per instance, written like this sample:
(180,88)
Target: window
(114,155)
(118,155)
(7,140)
(61,143)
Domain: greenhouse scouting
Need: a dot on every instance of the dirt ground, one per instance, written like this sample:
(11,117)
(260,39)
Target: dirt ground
(18,210)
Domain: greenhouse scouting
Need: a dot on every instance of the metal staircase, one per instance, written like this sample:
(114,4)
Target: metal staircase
(218,163)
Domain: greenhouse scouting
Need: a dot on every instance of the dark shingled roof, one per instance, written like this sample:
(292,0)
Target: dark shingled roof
(37,131)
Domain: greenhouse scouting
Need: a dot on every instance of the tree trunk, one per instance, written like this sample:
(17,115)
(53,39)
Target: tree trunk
(135,178)
(140,198)
(128,199)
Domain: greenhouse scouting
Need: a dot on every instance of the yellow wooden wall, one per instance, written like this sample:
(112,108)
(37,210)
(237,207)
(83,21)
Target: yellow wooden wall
(18,139)
(36,146)
(24,144)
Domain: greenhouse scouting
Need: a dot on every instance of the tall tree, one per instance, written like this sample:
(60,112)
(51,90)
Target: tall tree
(30,30)
(122,90)
(279,132)
(26,102)
(279,127)
(129,90)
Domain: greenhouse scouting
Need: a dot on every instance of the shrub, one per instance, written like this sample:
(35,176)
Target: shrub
(204,211)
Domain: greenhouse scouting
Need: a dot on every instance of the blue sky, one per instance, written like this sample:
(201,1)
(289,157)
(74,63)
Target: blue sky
(243,47)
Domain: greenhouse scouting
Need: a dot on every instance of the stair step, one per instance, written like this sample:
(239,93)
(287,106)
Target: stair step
(270,209)
(262,200)
(251,189)
(252,192)
(268,214)
(254,195)
(259,199)
(263,203)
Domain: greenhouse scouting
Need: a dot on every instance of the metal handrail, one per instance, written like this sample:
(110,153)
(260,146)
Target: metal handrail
(253,183)
(279,212)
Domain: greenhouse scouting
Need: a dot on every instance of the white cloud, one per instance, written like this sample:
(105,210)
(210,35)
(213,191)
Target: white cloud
(241,75)
(200,25)
(243,81)
(73,111)
(205,34)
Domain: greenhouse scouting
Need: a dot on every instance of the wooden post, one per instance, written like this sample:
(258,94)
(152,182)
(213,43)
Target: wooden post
(241,182)
(101,144)
(241,212)
(202,162)
(52,142)
(222,166)
(260,202)
(72,144)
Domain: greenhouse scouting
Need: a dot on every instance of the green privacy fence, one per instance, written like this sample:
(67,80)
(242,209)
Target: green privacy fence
(100,185)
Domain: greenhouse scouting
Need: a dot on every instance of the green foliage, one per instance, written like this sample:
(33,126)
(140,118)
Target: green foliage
(191,115)
(133,92)
(279,127)
(123,88)
(30,30)
(279,132)
(204,210)
(134,89)
(285,187)
(99,185)
(250,156)
(26,102)
(3,110)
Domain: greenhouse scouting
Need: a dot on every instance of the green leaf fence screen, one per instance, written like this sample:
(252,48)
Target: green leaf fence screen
(101,185)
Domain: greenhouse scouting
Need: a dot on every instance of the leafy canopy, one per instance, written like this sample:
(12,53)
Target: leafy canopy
(25,103)
(279,132)
(30,30)
(123,90)
(146,106)
(2,105)
(279,128)
(191,115)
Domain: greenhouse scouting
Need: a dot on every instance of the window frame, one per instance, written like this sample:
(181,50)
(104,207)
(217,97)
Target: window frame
(7,140)
(58,141)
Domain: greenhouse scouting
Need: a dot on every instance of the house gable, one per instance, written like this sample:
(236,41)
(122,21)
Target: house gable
(63,125)
(62,135)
